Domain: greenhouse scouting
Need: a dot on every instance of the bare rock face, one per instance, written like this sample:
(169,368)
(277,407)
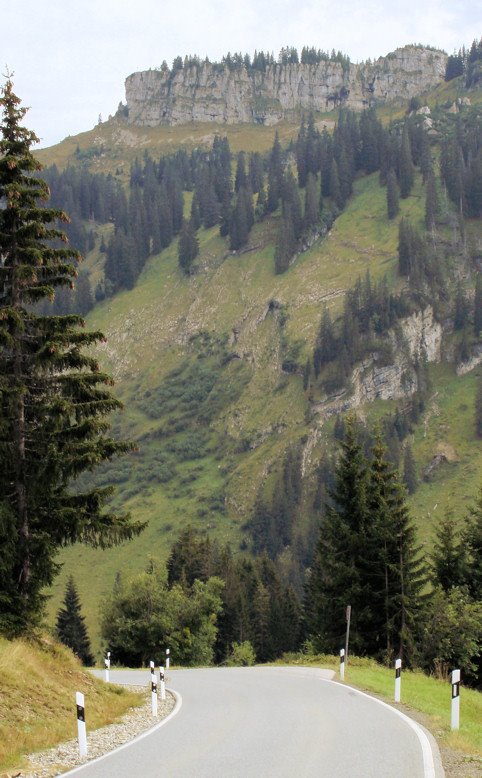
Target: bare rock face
(211,93)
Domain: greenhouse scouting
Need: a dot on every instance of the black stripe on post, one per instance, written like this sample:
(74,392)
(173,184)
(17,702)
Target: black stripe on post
(342,658)
(398,672)
(80,713)
(153,687)
(455,690)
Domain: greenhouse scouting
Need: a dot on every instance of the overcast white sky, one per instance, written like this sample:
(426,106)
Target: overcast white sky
(70,57)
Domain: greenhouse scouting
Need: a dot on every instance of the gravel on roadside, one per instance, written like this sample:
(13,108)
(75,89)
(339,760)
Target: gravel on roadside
(57,760)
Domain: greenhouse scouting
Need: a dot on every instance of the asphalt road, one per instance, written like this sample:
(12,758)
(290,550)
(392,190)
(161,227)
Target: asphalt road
(268,722)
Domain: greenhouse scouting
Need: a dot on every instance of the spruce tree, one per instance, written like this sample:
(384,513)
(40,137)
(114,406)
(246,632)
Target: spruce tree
(312,206)
(448,556)
(405,165)
(391,569)
(188,247)
(431,202)
(335,581)
(70,625)
(393,205)
(478,408)
(53,397)
(409,470)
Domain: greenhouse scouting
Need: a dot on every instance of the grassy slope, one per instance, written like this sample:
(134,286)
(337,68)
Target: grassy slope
(149,330)
(38,682)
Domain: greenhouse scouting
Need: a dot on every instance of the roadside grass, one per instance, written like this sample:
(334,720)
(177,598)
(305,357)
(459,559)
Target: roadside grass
(419,692)
(38,681)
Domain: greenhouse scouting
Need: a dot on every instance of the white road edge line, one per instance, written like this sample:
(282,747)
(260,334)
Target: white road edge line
(427,753)
(148,732)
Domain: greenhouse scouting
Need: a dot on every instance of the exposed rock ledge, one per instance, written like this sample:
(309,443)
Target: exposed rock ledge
(208,93)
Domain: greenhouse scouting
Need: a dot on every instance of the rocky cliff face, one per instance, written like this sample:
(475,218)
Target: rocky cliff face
(209,93)
(418,337)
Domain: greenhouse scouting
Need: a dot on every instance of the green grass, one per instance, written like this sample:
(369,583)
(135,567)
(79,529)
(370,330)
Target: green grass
(419,692)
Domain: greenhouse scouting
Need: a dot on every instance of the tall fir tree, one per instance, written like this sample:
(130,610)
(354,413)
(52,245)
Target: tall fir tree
(70,625)
(188,247)
(53,397)
(478,306)
(406,171)
(393,204)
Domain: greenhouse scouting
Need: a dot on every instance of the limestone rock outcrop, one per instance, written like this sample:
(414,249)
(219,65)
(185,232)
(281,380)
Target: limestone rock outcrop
(213,93)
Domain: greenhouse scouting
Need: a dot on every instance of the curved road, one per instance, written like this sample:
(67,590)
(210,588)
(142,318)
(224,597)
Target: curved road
(267,722)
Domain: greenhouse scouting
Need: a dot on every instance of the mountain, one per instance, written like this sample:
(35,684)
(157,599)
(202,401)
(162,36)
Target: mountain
(237,92)
(235,421)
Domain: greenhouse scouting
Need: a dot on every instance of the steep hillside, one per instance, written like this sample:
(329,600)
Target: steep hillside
(216,367)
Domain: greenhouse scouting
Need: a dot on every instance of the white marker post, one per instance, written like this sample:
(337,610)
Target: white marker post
(154,694)
(347,639)
(342,664)
(162,683)
(398,678)
(82,734)
(151,665)
(455,717)
(168,651)
(107,666)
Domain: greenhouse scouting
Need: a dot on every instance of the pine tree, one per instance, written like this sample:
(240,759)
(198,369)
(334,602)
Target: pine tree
(391,569)
(431,202)
(70,625)
(188,247)
(393,205)
(312,206)
(409,470)
(53,397)
(448,556)
(335,582)
(405,165)
(285,243)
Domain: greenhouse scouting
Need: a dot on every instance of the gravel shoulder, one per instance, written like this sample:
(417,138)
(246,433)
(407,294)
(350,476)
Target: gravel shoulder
(65,756)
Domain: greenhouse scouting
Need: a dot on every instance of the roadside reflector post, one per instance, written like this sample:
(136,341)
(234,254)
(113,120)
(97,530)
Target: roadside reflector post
(107,666)
(455,717)
(151,665)
(154,694)
(168,651)
(347,638)
(342,664)
(398,678)
(162,683)
(81,731)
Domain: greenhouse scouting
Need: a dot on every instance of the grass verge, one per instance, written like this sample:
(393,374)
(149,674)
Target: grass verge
(38,681)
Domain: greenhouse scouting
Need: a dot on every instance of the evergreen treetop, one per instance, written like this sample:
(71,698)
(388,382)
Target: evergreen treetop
(53,396)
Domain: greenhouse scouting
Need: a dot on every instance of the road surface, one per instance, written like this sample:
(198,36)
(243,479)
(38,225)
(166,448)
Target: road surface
(269,722)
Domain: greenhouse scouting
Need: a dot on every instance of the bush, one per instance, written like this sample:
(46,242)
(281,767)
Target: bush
(242,655)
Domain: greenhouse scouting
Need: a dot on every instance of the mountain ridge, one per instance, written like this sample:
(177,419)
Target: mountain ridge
(207,92)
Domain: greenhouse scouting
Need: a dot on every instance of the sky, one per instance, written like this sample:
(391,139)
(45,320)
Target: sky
(70,58)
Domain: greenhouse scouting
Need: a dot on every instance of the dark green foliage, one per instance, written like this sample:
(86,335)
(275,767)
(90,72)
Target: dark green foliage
(448,556)
(53,397)
(70,626)
(393,205)
(188,247)
(285,242)
(256,604)
(454,66)
(84,299)
(312,204)
(242,219)
(366,557)
(409,470)
(405,164)
(275,176)
(432,206)
(144,615)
